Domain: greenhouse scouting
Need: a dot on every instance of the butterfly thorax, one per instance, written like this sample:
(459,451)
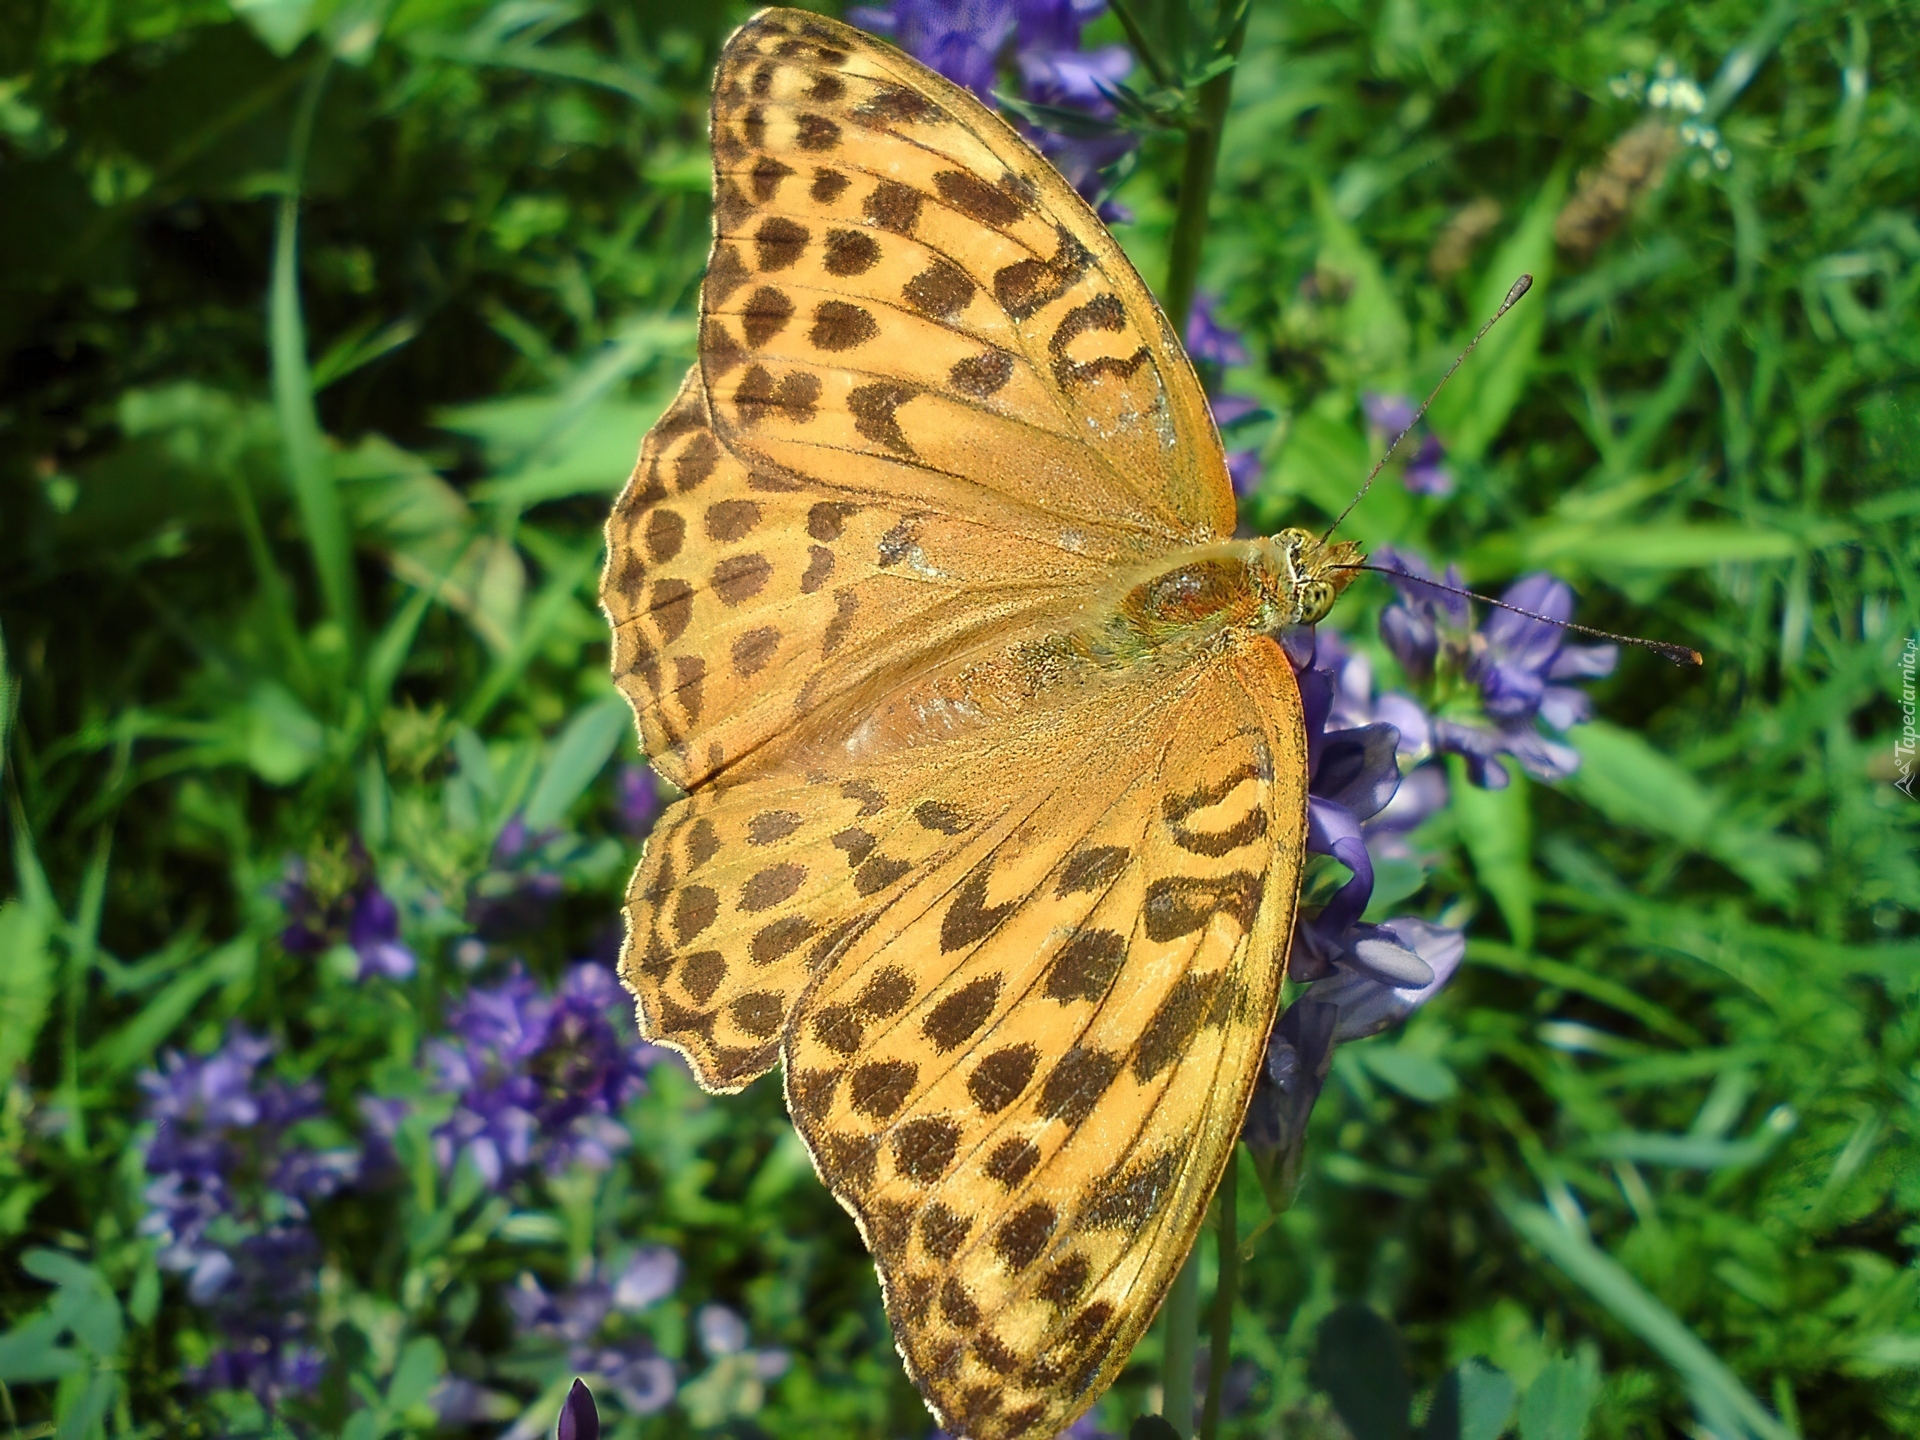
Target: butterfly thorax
(1204,596)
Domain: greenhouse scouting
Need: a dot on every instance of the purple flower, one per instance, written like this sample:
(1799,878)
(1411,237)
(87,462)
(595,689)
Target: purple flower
(579,1418)
(1423,787)
(540,1079)
(228,1204)
(636,801)
(363,916)
(1365,980)
(1512,665)
(1390,415)
(1353,773)
(374,933)
(961,39)
(584,1319)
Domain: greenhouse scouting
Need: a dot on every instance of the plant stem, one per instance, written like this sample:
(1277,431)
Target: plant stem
(1177,1351)
(1226,1292)
(1196,187)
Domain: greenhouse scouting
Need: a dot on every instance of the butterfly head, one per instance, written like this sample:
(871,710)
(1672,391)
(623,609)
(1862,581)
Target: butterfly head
(1312,573)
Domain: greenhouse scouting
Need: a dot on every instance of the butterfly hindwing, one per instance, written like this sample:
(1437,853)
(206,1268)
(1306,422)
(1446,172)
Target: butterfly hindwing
(1030,1128)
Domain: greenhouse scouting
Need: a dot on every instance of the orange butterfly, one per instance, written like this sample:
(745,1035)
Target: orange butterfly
(924,590)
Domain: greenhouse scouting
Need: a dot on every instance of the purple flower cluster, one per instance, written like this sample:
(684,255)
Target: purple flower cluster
(587,1319)
(972,42)
(540,1079)
(1370,786)
(1214,347)
(1390,416)
(229,1196)
(1492,684)
(364,917)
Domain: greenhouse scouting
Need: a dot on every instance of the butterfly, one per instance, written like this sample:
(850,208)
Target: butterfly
(925,591)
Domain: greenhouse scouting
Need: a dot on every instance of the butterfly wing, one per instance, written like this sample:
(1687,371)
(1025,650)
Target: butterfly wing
(1025,1073)
(905,298)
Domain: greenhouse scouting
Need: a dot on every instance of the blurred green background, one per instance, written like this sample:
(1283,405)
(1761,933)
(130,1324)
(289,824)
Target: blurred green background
(331,330)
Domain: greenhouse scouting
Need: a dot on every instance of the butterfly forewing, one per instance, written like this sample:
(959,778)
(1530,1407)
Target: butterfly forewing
(905,297)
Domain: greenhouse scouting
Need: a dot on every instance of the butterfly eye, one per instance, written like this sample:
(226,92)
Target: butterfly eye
(1316,599)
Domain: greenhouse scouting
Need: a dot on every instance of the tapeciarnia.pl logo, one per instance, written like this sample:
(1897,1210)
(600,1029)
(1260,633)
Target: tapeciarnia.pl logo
(1905,746)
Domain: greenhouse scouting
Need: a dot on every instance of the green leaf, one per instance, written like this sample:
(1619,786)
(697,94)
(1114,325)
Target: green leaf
(1359,1362)
(283,742)
(419,1369)
(1474,1402)
(85,1304)
(1496,826)
(1418,1077)
(1560,1399)
(280,24)
(578,756)
(26,984)
(31,1353)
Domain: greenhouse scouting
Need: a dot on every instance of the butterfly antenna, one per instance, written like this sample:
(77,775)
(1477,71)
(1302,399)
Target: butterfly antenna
(1665,649)
(1519,288)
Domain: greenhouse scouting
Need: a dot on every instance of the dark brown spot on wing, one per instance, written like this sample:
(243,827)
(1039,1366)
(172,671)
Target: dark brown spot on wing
(688,673)
(827,187)
(845,603)
(780,939)
(872,408)
(958,1018)
(878,1090)
(1065,1282)
(896,105)
(826,89)
(839,326)
(1086,965)
(779,242)
(765,315)
(765,177)
(982,375)
(666,532)
(818,133)
(939,816)
(1179,905)
(885,994)
(694,910)
(826,519)
(1128,1195)
(819,569)
(759,1014)
(893,206)
(1077,1081)
(996,1082)
(738,578)
(959,1308)
(943,1232)
(730,520)
(726,273)
(1023,1235)
(1092,869)
(969,919)
(940,290)
(850,252)
(878,873)
(923,1148)
(976,199)
(702,974)
(695,463)
(771,886)
(671,607)
(753,649)
(1012,1161)
(1026,286)
(855,843)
